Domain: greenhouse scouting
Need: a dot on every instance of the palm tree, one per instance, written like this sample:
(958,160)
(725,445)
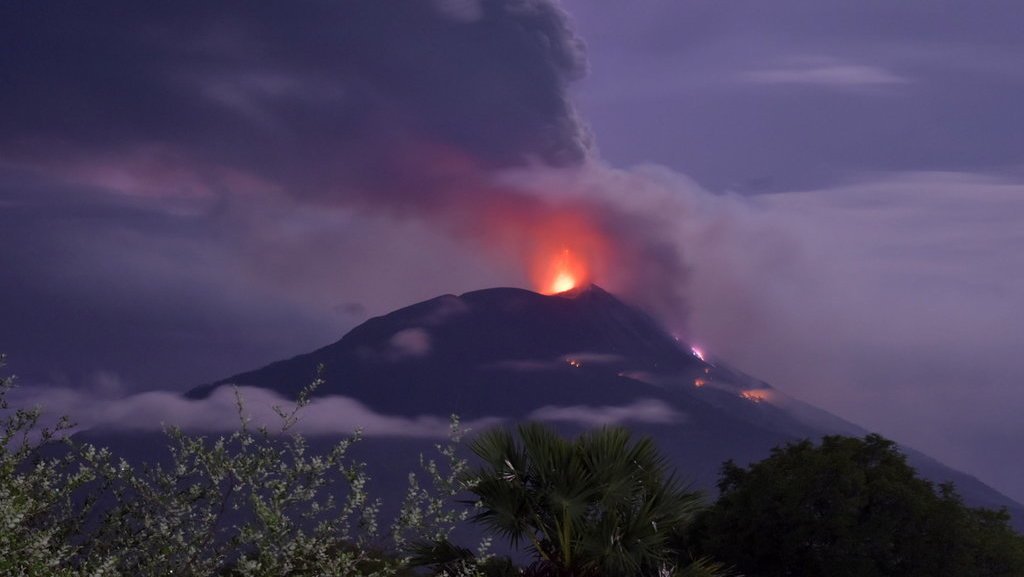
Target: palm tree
(601,505)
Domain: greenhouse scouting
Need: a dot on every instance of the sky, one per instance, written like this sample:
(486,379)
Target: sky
(826,194)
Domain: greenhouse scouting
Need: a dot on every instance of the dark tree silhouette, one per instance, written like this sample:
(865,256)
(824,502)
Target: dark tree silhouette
(851,507)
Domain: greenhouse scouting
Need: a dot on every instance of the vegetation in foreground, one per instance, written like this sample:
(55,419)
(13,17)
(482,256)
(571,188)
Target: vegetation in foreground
(601,505)
(851,507)
(261,503)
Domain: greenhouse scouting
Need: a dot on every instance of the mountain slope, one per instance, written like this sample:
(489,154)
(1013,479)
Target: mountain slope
(576,359)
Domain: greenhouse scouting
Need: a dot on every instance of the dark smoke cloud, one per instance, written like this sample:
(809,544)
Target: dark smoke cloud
(389,102)
(217,115)
(175,175)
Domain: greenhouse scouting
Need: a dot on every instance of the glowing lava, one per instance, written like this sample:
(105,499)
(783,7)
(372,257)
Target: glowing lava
(562,283)
(757,395)
(564,249)
(565,272)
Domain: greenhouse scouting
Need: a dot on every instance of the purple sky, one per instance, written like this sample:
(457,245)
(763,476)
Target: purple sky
(827,194)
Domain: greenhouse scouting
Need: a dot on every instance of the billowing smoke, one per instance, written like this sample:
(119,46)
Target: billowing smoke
(456,114)
(391,104)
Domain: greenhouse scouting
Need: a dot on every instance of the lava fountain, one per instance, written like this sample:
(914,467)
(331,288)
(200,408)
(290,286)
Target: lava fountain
(565,272)
(568,251)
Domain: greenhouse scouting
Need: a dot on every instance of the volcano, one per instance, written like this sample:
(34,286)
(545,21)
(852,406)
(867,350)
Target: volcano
(576,359)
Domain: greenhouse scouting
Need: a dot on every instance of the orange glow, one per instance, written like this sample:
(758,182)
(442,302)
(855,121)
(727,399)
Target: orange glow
(565,272)
(757,395)
(699,383)
(564,250)
(562,283)
(560,242)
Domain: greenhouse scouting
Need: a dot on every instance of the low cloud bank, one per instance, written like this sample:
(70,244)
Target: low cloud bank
(649,411)
(219,413)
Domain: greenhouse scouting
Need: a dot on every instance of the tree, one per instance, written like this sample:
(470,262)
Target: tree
(600,505)
(38,512)
(851,507)
(251,503)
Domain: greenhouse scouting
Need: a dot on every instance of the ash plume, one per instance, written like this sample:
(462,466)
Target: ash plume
(414,111)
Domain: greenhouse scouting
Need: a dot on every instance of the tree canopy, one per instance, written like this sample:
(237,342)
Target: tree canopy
(601,504)
(851,507)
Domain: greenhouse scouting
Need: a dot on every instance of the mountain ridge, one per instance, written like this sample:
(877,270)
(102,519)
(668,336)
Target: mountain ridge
(516,354)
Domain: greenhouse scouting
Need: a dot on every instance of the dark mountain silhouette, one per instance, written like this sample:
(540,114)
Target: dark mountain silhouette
(575,358)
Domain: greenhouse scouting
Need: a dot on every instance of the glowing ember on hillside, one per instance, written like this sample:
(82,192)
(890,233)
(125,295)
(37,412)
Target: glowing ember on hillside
(757,395)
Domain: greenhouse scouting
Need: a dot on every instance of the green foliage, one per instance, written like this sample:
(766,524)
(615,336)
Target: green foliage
(252,503)
(38,512)
(428,513)
(446,558)
(602,504)
(851,507)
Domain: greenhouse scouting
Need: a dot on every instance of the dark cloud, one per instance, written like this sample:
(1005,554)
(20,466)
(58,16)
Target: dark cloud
(337,99)
(156,163)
